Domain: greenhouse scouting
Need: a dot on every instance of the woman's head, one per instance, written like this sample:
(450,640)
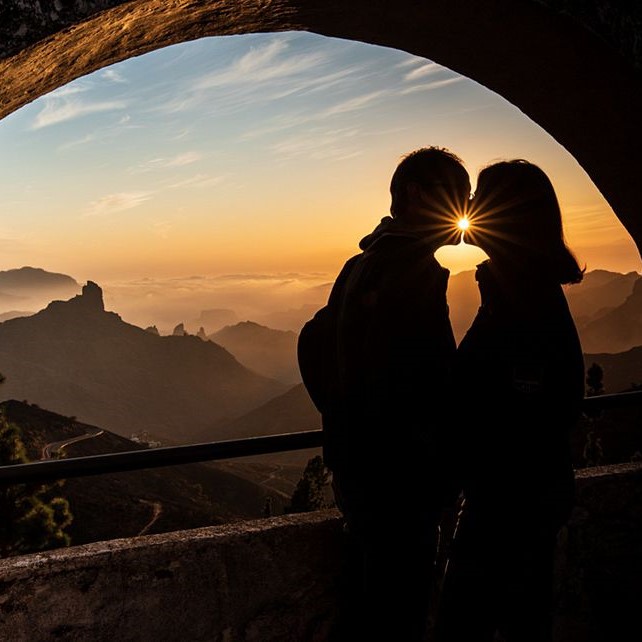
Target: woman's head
(517,219)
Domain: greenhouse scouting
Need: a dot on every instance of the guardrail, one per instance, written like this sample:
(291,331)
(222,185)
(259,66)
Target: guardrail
(50,470)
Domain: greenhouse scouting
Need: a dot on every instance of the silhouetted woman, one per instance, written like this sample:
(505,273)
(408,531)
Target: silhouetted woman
(520,375)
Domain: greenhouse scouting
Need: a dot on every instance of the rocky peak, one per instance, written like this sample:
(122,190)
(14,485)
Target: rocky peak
(90,300)
(92,297)
(179,330)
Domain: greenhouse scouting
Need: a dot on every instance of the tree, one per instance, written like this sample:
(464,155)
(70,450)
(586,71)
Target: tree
(594,380)
(309,493)
(33,518)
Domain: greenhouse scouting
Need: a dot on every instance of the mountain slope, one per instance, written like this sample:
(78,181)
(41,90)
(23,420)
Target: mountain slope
(618,329)
(599,290)
(292,411)
(621,370)
(77,359)
(125,504)
(271,353)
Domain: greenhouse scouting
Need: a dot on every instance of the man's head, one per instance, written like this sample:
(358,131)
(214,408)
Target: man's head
(429,187)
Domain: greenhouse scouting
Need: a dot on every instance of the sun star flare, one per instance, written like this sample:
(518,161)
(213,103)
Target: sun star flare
(463,224)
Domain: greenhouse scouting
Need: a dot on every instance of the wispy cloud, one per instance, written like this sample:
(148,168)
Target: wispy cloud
(356,103)
(61,108)
(116,203)
(281,123)
(429,86)
(180,160)
(310,84)
(587,220)
(265,73)
(181,134)
(113,76)
(71,89)
(428,69)
(319,145)
(262,64)
(199,180)
(411,61)
(277,277)
(101,134)
(89,138)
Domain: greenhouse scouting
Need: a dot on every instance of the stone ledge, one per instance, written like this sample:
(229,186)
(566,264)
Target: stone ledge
(262,580)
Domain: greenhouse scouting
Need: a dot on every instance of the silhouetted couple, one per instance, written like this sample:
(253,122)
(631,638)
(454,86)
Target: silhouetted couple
(411,420)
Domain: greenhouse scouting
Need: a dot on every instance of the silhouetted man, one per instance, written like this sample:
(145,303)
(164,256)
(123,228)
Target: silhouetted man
(383,394)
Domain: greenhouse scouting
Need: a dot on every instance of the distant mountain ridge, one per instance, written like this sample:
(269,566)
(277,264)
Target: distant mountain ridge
(77,359)
(272,353)
(29,287)
(30,278)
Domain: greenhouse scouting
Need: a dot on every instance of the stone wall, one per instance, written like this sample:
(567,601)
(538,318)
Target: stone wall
(276,579)
(270,580)
(599,565)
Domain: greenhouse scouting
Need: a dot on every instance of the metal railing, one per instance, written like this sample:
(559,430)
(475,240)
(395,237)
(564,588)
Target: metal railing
(50,470)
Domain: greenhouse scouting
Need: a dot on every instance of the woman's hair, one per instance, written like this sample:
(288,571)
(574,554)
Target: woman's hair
(517,212)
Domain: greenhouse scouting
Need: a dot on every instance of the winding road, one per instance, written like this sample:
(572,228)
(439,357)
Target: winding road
(55,447)
(49,450)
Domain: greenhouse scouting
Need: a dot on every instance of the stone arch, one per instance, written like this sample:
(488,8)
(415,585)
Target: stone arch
(573,67)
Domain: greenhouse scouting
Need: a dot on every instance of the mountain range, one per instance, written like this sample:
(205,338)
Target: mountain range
(75,358)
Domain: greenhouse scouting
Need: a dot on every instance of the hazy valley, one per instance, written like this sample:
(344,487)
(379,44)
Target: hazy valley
(139,502)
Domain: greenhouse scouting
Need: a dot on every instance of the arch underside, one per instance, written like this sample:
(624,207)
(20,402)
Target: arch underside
(560,74)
